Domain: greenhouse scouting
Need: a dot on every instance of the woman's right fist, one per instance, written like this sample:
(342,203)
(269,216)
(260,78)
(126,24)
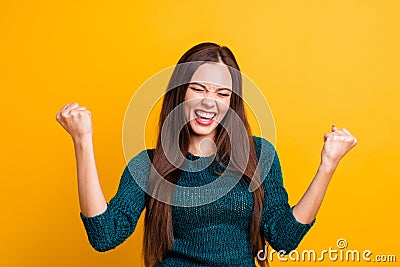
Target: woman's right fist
(76,120)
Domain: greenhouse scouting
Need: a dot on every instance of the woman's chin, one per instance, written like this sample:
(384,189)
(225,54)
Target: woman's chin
(203,130)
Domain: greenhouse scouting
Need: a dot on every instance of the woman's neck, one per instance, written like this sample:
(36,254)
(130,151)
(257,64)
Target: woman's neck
(201,145)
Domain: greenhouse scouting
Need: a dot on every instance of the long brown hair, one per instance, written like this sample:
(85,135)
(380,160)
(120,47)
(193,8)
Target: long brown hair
(158,234)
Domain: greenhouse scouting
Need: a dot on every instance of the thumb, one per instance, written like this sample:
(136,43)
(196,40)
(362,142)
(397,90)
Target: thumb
(334,128)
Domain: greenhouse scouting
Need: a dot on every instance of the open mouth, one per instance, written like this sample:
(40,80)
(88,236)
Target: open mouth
(204,118)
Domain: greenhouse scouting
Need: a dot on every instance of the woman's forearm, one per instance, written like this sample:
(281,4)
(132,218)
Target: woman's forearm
(307,208)
(91,198)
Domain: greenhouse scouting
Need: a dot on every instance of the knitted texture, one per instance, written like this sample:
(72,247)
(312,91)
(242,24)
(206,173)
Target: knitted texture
(214,234)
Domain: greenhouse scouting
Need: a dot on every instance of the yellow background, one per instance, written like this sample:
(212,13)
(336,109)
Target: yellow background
(317,62)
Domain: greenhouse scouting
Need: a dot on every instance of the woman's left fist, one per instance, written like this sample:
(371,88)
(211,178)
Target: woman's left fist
(336,144)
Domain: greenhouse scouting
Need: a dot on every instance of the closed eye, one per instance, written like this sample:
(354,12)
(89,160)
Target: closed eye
(224,95)
(203,90)
(197,89)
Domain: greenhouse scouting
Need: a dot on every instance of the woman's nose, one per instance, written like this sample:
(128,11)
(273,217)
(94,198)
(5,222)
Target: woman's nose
(208,102)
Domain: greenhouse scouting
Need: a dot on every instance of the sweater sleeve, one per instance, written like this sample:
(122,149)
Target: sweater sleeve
(281,229)
(109,229)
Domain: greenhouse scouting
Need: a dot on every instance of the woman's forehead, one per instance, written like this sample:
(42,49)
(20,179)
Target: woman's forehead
(213,74)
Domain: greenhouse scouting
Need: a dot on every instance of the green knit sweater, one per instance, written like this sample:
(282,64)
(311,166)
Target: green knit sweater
(214,234)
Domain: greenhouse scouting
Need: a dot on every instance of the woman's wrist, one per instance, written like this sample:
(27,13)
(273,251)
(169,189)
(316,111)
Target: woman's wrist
(328,166)
(83,141)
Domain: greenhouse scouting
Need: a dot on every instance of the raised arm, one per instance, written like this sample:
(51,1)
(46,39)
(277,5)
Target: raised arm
(76,120)
(107,224)
(284,226)
(336,144)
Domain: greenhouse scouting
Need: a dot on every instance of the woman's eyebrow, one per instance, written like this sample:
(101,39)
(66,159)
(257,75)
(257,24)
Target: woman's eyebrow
(202,85)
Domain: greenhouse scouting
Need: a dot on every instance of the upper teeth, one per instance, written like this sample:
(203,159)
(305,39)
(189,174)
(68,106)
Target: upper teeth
(204,114)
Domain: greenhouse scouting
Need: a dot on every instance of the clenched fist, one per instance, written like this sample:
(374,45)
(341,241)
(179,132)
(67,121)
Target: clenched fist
(336,144)
(76,120)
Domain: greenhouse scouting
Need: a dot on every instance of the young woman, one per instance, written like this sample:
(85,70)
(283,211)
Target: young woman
(208,137)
